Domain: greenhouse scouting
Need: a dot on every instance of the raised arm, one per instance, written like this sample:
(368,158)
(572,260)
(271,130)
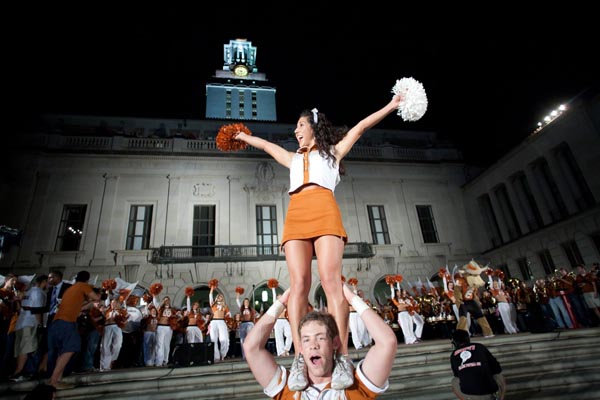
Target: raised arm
(345,145)
(378,362)
(260,360)
(281,155)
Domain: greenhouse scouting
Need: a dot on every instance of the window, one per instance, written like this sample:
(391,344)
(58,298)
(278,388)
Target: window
(427,223)
(138,231)
(547,262)
(266,230)
(203,231)
(573,254)
(379,228)
(70,229)
(228,104)
(524,268)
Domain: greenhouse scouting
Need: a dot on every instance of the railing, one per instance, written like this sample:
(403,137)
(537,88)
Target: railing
(239,253)
(180,145)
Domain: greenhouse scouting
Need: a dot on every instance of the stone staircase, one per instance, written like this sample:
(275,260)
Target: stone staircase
(556,365)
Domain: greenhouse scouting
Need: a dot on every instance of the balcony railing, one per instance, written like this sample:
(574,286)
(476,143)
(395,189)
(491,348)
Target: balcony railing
(239,253)
(179,145)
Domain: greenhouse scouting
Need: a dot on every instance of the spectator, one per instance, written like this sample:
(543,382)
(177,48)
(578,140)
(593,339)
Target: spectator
(63,337)
(477,374)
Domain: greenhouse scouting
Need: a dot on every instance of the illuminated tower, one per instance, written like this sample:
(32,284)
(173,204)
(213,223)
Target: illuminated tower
(239,91)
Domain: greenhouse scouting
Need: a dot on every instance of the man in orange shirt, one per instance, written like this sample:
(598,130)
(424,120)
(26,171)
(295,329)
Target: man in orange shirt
(63,338)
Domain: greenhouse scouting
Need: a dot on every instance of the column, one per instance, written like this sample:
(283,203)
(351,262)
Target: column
(539,195)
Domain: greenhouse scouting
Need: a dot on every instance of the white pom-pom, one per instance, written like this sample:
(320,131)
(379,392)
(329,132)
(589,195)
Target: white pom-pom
(414,100)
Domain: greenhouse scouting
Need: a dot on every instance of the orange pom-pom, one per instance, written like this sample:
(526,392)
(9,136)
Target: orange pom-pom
(226,137)
(189,291)
(213,283)
(489,272)
(442,272)
(343,278)
(124,293)
(109,284)
(239,290)
(147,298)
(352,281)
(398,278)
(156,288)
(500,274)
(272,283)
(390,279)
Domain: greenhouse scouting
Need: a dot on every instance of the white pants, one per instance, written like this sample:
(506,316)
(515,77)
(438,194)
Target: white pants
(360,335)
(193,334)
(504,309)
(219,333)
(163,344)
(111,346)
(419,324)
(283,336)
(406,324)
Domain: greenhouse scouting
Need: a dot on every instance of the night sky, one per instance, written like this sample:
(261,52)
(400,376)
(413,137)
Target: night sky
(488,83)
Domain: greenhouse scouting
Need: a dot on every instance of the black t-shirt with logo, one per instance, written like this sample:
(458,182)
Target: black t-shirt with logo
(475,366)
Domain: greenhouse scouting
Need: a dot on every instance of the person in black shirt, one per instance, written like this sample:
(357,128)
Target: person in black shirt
(477,373)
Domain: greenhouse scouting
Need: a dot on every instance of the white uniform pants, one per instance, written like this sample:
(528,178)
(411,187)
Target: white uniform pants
(219,333)
(163,344)
(283,336)
(406,324)
(419,324)
(193,334)
(111,346)
(504,309)
(360,335)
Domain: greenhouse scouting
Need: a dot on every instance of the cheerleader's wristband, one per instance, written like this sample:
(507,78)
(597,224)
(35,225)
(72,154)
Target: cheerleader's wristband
(359,305)
(276,309)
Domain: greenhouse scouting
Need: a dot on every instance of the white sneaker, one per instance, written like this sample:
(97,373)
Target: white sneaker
(297,380)
(343,373)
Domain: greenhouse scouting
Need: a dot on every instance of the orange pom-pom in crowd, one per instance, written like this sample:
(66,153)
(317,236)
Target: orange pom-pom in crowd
(156,288)
(109,284)
(398,278)
(352,281)
(213,283)
(239,290)
(226,137)
(189,291)
(272,283)
(390,279)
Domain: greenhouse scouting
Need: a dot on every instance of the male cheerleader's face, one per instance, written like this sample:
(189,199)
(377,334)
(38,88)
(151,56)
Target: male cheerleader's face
(317,349)
(304,133)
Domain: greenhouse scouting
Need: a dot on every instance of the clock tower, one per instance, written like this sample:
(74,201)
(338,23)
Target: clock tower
(239,91)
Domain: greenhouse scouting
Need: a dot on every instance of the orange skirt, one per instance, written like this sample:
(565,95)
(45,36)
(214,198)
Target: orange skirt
(313,213)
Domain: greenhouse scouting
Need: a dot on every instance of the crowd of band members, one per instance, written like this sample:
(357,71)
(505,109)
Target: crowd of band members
(119,332)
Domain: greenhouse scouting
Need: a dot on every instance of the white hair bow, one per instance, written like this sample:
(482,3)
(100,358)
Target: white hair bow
(315,113)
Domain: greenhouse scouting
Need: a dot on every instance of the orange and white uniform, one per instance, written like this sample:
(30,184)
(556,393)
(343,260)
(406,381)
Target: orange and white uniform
(361,389)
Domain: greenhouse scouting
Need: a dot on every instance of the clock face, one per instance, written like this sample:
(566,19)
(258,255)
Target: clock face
(240,70)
